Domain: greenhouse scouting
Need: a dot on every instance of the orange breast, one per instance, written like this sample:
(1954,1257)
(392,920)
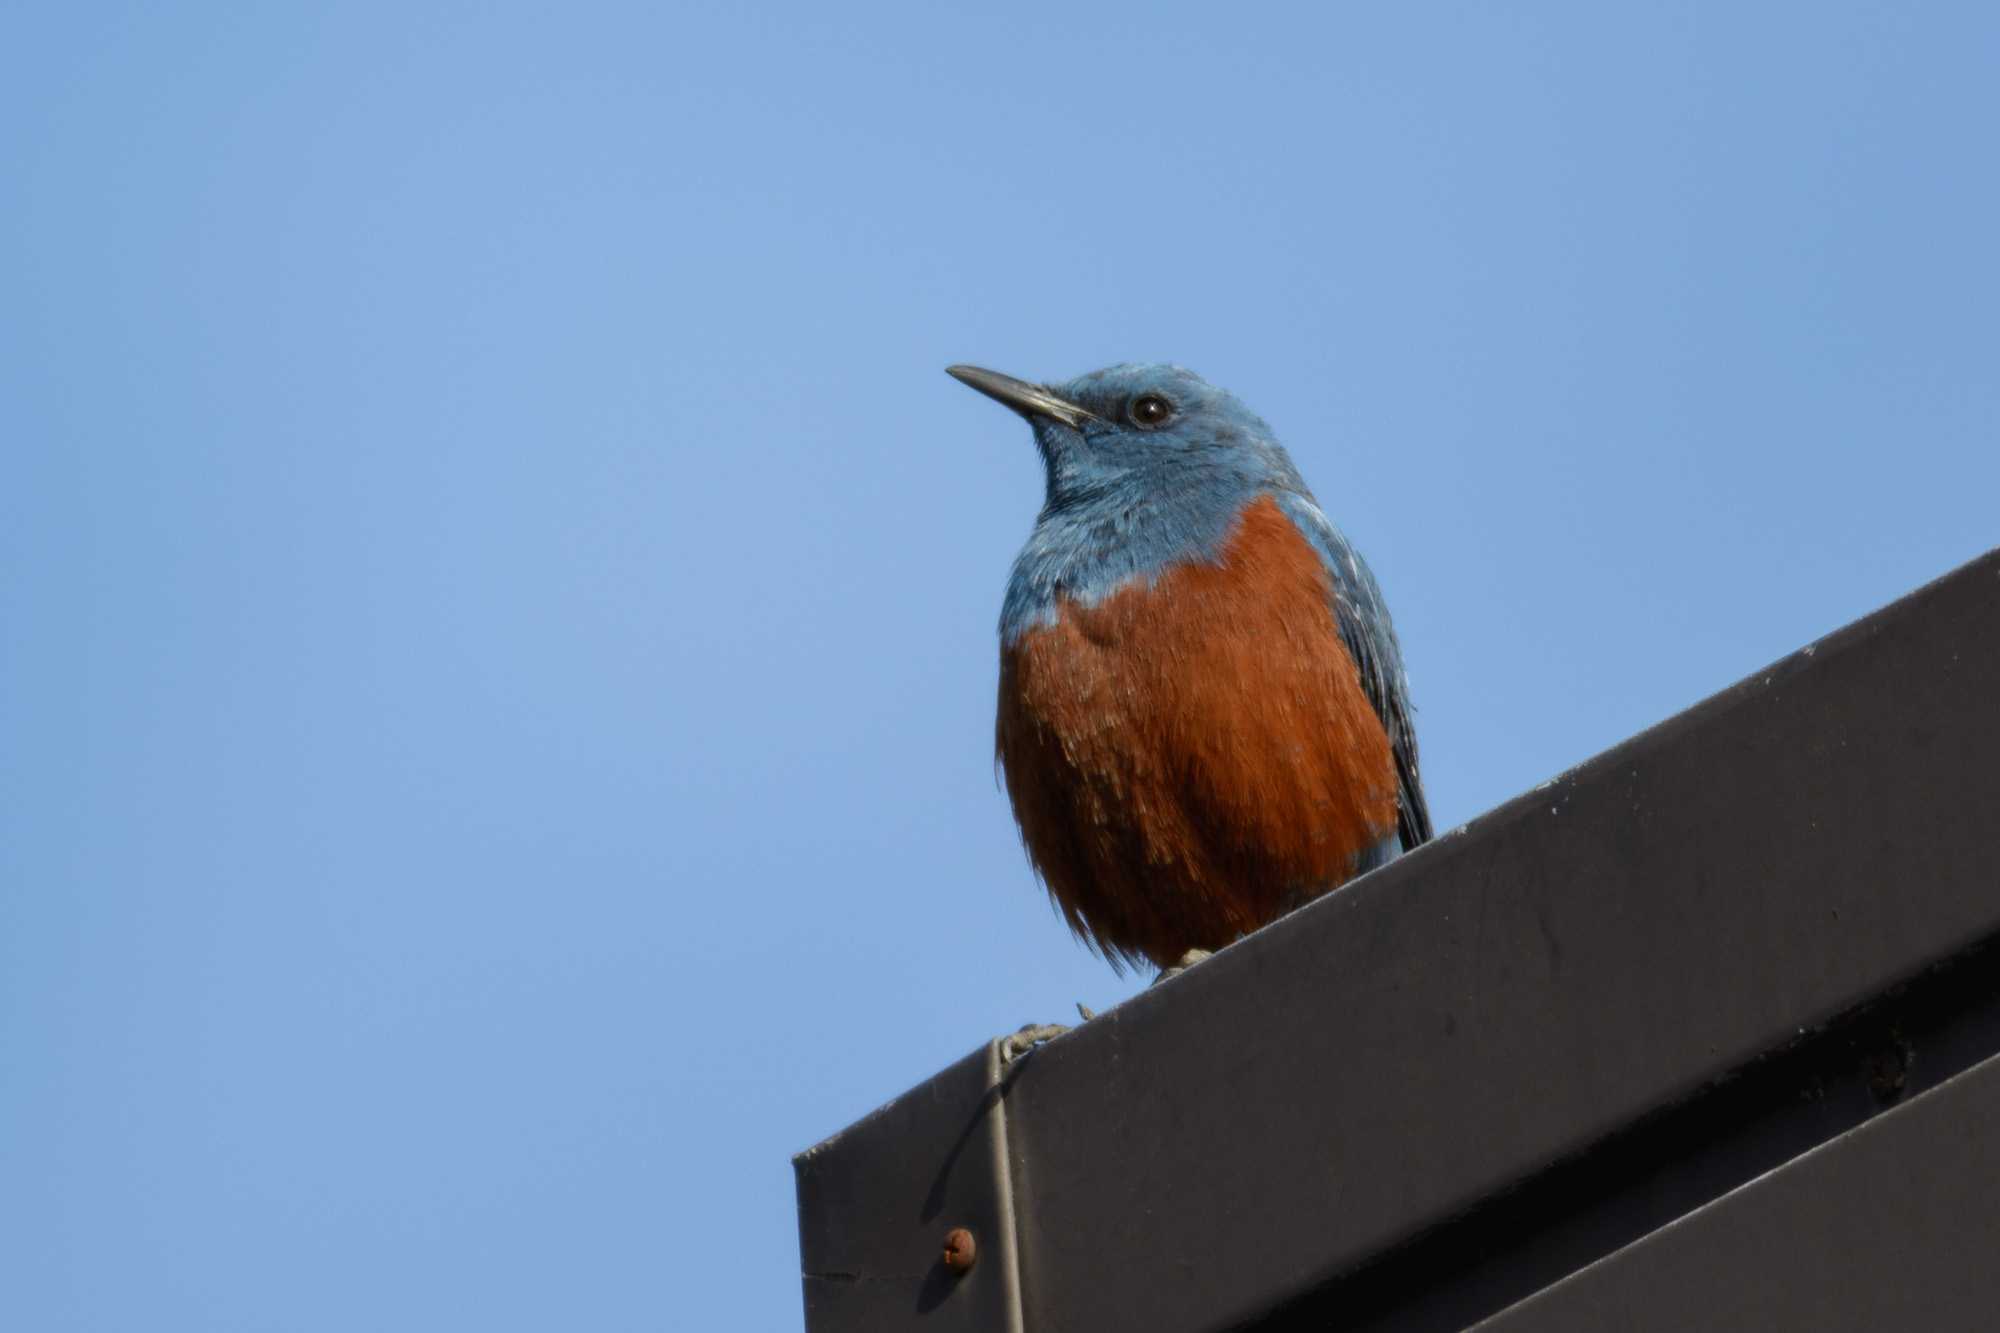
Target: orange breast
(1187,761)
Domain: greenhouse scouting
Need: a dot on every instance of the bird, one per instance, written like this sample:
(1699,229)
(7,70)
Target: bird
(1203,718)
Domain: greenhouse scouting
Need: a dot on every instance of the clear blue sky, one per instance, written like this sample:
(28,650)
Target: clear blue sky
(497,594)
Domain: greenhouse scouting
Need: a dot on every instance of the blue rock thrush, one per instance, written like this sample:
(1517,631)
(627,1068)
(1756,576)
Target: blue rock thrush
(1203,718)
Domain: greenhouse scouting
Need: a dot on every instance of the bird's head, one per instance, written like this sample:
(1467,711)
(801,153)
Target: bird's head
(1139,427)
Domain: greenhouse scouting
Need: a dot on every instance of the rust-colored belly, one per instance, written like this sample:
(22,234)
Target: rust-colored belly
(1189,760)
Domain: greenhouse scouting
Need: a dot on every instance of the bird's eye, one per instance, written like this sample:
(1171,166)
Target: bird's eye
(1149,411)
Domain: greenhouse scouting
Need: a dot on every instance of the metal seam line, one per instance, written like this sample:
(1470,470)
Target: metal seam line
(1003,1175)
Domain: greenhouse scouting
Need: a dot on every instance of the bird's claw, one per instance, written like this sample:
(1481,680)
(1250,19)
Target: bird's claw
(1017,1044)
(1186,961)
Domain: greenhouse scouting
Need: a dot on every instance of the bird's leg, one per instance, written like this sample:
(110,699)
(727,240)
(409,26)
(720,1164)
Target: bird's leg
(1017,1044)
(1186,961)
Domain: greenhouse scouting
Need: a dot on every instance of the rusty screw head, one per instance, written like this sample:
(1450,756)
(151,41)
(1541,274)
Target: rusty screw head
(960,1251)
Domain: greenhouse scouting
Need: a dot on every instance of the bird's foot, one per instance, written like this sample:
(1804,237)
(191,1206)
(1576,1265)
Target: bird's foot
(1017,1044)
(1186,961)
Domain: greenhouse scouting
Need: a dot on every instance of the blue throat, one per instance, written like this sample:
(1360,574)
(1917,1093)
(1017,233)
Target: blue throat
(1084,550)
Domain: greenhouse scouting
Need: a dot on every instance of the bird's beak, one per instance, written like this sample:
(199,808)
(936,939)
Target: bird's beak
(1030,400)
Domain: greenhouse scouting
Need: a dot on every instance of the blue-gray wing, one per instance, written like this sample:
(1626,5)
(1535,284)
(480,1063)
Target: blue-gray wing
(1366,630)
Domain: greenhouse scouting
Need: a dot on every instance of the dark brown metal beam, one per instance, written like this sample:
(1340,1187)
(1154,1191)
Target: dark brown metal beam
(1501,1016)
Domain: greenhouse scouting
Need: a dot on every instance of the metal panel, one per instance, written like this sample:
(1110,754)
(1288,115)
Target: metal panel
(877,1200)
(1673,1161)
(1322,1094)
(1892,1226)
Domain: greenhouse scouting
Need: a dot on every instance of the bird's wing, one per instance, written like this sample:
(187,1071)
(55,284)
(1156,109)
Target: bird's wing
(1371,638)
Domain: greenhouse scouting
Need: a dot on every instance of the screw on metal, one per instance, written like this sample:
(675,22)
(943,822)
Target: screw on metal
(960,1251)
